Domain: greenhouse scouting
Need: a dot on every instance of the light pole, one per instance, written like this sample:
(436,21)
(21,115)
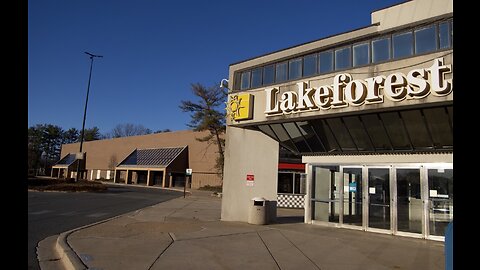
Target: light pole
(85,113)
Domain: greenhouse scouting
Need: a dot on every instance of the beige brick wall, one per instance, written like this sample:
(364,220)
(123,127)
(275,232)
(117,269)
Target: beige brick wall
(100,154)
(205,179)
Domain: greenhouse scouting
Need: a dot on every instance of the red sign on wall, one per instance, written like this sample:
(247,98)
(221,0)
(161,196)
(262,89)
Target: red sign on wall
(250,177)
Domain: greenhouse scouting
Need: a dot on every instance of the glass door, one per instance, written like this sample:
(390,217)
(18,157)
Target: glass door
(409,201)
(440,195)
(325,195)
(379,198)
(352,196)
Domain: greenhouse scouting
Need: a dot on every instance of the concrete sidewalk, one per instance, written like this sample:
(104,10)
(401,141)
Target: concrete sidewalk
(186,233)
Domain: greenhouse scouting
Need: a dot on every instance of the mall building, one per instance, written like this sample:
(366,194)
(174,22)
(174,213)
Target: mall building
(159,159)
(370,112)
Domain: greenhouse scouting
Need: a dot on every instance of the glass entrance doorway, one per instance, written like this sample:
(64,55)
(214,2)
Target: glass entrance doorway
(379,198)
(326,202)
(414,200)
(409,201)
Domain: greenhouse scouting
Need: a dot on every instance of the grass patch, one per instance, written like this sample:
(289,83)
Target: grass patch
(211,188)
(67,185)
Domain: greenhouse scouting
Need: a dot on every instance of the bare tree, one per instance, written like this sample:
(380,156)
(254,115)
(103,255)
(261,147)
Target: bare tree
(128,129)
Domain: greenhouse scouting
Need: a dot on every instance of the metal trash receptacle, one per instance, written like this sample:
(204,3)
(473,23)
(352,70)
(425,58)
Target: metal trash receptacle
(258,214)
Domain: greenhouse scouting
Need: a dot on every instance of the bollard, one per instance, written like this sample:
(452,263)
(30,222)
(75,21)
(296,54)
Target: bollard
(449,247)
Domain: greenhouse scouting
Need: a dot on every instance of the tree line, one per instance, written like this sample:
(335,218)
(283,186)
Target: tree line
(45,141)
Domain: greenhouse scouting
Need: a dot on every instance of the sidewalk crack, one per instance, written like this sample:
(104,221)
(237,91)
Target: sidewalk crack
(172,236)
(299,250)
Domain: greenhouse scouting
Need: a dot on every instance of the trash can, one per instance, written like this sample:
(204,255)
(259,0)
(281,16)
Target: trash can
(257,214)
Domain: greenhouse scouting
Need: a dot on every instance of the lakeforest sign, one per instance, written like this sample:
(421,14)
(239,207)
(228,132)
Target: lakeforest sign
(345,91)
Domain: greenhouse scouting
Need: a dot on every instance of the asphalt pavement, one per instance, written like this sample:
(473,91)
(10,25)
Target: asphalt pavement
(51,213)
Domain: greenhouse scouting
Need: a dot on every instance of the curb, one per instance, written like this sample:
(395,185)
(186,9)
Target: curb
(68,257)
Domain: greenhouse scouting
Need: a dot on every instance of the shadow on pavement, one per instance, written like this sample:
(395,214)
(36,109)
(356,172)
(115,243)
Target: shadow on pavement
(289,219)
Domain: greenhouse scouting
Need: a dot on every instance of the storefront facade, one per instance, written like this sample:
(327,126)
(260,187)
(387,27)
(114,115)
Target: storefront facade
(371,113)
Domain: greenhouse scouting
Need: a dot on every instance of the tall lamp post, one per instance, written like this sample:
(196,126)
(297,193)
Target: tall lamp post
(85,113)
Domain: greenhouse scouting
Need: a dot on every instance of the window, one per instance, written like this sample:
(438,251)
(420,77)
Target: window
(438,124)
(444,35)
(341,134)
(281,72)
(309,134)
(268,74)
(326,61)
(310,65)
(245,84)
(402,45)
(283,137)
(285,182)
(425,39)
(256,77)
(396,131)
(343,58)
(267,130)
(376,131)
(361,54)
(416,128)
(381,50)
(295,68)
(296,137)
(358,132)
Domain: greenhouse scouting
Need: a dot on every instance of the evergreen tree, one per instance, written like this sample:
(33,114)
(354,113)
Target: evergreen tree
(208,114)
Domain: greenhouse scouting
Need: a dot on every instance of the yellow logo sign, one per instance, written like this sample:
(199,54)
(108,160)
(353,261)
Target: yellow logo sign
(240,107)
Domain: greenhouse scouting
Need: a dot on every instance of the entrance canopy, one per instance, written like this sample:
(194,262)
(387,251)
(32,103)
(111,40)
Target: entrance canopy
(143,162)
(67,165)
(428,129)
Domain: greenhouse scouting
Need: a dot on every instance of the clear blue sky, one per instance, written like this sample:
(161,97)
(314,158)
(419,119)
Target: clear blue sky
(154,50)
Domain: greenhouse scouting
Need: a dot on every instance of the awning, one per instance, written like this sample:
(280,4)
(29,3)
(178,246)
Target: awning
(151,158)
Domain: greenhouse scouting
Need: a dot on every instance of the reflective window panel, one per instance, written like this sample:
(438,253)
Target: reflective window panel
(440,194)
(245,80)
(268,74)
(379,198)
(352,196)
(402,44)
(409,201)
(343,58)
(326,61)
(361,54)
(425,39)
(381,50)
(310,65)
(295,68)
(256,77)
(281,72)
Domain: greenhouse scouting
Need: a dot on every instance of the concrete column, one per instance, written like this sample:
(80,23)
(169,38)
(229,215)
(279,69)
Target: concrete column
(170,180)
(115,176)
(148,178)
(126,177)
(308,195)
(253,153)
(163,178)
